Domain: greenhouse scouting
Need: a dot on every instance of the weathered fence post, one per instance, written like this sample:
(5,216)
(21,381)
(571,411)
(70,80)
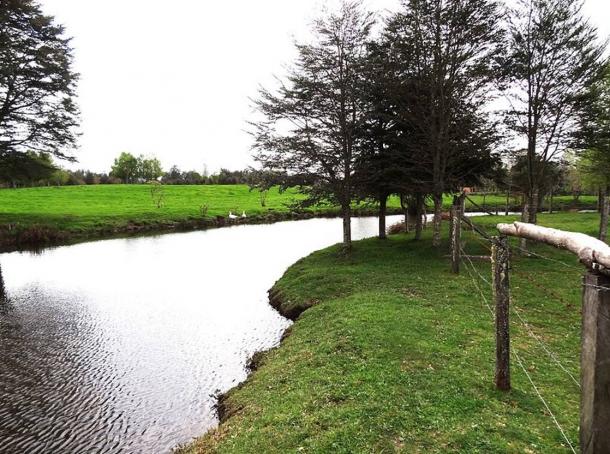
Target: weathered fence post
(456,233)
(524,218)
(595,366)
(605,215)
(500,264)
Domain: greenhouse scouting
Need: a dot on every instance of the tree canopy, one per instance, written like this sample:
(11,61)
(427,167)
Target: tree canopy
(310,125)
(554,56)
(37,83)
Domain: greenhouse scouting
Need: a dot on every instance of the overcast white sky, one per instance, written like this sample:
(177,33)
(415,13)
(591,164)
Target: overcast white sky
(172,79)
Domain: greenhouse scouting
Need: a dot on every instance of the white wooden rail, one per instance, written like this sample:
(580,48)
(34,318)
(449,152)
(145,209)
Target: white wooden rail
(591,252)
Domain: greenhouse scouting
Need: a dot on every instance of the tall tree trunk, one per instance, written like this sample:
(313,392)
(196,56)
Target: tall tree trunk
(438,217)
(507,202)
(383,205)
(533,206)
(451,213)
(605,214)
(405,209)
(420,212)
(551,202)
(600,200)
(346,214)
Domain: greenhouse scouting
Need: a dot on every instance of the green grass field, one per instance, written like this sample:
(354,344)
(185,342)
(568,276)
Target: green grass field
(40,214)
(86,207)
(396,354)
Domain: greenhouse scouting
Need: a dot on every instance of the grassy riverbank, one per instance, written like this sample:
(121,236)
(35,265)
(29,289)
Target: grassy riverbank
(395,354)
(54,214)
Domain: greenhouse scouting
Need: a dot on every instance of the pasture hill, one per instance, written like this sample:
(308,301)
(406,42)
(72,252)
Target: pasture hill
(34,217)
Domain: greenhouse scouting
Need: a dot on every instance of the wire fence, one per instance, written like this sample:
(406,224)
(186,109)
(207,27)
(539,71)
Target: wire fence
(484,285)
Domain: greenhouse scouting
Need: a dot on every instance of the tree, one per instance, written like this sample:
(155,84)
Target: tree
(552,174)
(91,178)
(593,137)
(443,56)
(125,168)
(172,176)
(553,57)
(310,125)
(37,83)
(149,169)
(192,177)
(262,181)
(26,169)
(378,172)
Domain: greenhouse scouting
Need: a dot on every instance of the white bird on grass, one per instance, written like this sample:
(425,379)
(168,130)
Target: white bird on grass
(231,215)
(243,214)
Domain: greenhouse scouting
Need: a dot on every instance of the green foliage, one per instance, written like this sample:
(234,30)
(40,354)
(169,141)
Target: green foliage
(396,354)
(26,169)
(148,169)
(125,168)
(157,193)
(594,134)
(130,169)
(37,83)
(594,168)
(320,101)
(554,55)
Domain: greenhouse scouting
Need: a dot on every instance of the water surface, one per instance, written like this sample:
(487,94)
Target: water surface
(120,346)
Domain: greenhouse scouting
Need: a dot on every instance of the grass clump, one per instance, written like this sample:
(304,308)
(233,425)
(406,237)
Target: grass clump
(395,354)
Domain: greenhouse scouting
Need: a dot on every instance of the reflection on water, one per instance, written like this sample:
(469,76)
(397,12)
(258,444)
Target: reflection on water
(2,290)
(119,346)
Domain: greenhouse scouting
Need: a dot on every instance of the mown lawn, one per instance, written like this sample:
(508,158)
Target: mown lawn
(397,355)
(84,209)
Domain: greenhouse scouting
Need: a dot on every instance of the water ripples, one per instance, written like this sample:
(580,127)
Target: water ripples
(120,346)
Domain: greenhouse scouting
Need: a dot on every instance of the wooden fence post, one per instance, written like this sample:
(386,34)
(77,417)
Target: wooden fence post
(524,218)
(501,289)
(605,215)
(456,234)
(595,370)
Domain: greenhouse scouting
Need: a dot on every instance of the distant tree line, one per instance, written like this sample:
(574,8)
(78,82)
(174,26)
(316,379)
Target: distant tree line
(38,169)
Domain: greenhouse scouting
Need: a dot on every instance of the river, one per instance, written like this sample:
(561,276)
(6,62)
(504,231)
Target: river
(120,346)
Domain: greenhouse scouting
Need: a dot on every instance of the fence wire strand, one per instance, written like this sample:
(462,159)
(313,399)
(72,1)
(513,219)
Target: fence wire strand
(544,257)
(565,437)
(597,287)
(474,280)
(544,346)
(514,351)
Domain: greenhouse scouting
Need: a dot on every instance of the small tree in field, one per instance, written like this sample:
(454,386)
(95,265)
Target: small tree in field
(148,168)
(157,193)
(125,168)
(310,125)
